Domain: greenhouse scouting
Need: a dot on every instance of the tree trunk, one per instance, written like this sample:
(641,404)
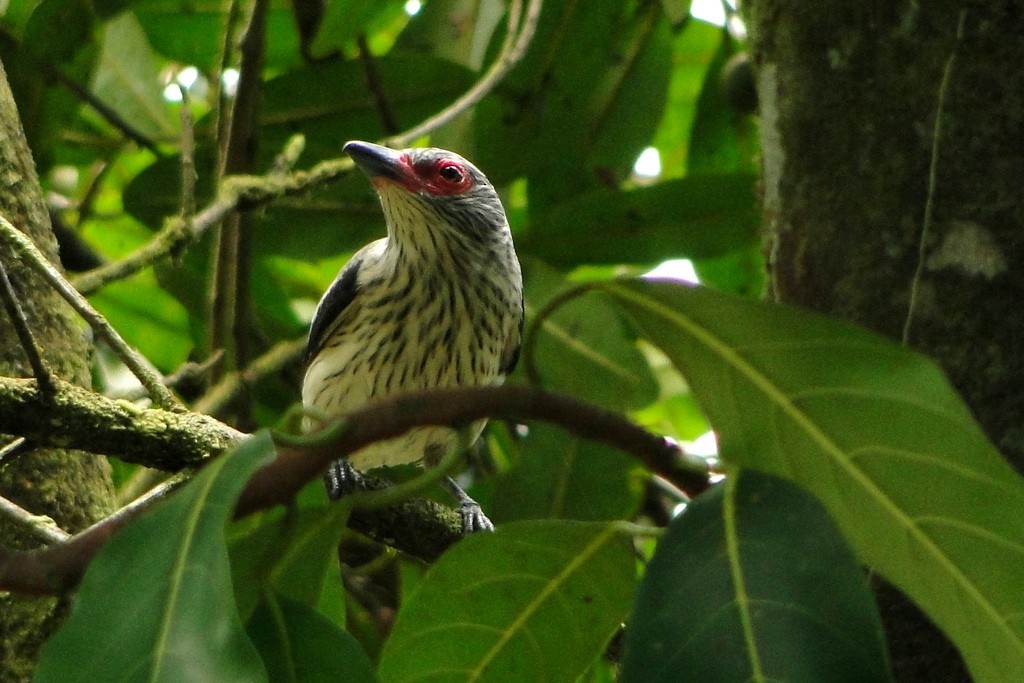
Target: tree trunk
(73,488)
(867,209)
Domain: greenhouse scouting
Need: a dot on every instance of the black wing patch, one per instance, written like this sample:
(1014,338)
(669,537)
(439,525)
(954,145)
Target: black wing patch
(508,363)
(334,302)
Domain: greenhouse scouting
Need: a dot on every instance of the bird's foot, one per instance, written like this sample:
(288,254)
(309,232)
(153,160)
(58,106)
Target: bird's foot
(473,517)
(341,479)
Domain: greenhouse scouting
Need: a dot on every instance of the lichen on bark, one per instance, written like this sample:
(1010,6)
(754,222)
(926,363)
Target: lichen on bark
(73,488)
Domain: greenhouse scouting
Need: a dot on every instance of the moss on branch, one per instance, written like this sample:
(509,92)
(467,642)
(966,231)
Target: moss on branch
(74,417)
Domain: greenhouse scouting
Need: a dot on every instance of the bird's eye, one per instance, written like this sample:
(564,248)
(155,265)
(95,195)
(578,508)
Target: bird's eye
(451,172)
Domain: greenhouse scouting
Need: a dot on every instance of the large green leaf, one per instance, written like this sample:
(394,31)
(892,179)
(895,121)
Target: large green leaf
(149,318)
(722,140)
(294,554)
(127,79)
(753,582)
(156,603)
(876,433)
(192,33)
(692,52)
(416,86)
(695,217)
(582,104)
(534,601)
(299,645)
(564,478)
(59,34)
(344,20)
(585,348)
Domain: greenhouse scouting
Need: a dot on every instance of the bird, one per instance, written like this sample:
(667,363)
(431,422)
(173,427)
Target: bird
(436,303)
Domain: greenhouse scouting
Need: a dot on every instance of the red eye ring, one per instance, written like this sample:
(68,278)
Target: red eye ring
(451,172)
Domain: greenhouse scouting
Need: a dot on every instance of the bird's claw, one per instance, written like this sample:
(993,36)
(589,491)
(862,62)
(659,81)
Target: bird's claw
(473,518)
(341,479)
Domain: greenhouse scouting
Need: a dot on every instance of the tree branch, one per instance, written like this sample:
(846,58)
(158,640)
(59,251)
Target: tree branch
(74,417)
(236,192)
(277,482)
(61,566)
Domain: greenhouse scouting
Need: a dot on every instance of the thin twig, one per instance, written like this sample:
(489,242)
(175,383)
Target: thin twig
(284,162)
(40,526)
(933,173)
(13,449)
(232,385)
(512,51)
(188,160)
(189,373)
(105,111)
(24,332)
(229,314)
(375,84)
(131,358)
(97,173)
(235,192)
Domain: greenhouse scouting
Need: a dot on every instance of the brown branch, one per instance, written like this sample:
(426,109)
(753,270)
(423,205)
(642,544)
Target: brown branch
(61,566)
(230,323)
(280,480)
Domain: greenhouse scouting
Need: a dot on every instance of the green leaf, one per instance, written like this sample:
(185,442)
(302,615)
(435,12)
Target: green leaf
(295,554)
(534,601)
(692,53)
(585,348)
(876,433)
(192,33)
(156,604)
(299,645)
(583,102)
(148,318)
(751,583)
(565,478)
(416,86)
(57,30)
(344,20)
(127,80)
(58,34)
(722,139)
(695,217)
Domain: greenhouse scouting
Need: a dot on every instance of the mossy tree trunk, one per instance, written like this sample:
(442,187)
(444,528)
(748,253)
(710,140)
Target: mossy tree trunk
(858,191)
(73,488)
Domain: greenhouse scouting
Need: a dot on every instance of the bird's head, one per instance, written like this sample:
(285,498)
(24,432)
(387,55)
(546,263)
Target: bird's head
(425,187)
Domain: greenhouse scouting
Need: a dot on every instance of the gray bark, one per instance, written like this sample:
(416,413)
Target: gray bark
(849,95)
(73,488)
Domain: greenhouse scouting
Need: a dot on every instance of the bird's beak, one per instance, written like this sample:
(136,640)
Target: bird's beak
(380,163)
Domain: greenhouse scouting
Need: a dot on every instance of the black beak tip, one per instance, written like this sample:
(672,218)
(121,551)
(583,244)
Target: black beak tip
(373,159)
